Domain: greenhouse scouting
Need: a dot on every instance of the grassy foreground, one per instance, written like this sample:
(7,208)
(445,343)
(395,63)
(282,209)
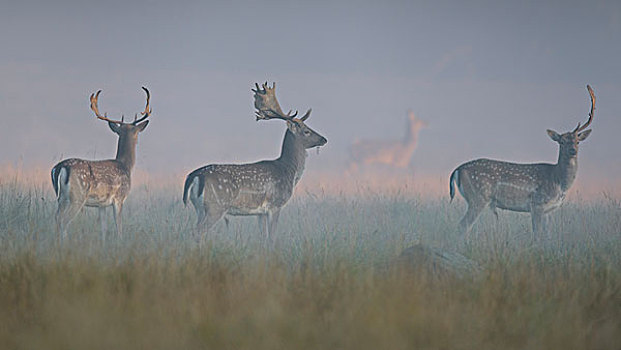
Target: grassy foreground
(329,283)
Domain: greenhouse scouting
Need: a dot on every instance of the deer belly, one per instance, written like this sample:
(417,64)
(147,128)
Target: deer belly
(512,197)
(101,196)
(247,211)
(381,158)
(98,201)
(513,206)
(261,209)
(250,203)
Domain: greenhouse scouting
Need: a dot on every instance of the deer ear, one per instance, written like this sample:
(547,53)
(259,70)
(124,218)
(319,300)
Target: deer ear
(554,135)
(142,125)
(114,127)
(583,135)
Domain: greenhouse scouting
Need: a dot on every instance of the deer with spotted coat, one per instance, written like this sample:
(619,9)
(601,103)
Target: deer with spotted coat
(99,183)
(260,189)
(534,188)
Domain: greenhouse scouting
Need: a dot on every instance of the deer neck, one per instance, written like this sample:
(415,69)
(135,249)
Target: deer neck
(411,139)
(566,169)
(292,156)
(126,151)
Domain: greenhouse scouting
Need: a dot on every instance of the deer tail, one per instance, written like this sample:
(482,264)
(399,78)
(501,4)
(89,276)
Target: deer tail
(60,177)
(189,182)
(452,181)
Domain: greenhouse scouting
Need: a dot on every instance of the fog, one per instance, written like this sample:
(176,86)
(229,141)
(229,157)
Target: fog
(489,77)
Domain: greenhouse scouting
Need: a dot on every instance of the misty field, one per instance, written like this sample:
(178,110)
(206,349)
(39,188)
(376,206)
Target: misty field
(333,279)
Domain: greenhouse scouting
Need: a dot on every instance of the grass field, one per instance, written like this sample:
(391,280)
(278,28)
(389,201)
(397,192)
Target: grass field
(330,282)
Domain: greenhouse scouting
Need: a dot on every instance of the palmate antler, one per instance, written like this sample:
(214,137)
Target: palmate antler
(268,107)
(581,128)
(145,114)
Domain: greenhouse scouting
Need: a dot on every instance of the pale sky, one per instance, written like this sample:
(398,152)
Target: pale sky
(489,76)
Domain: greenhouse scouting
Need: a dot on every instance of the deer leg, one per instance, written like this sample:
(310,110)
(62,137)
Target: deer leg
(472,214)
(538,221)
(262,220)
(118,218)
(67,211)
(273,222)
(544,225)
(60,217)
(201,211)
(494,209)
(102,222)
(210,216)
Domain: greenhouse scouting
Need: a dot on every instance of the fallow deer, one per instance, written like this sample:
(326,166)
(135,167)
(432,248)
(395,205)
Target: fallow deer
(536,188)
(393,153)
(261,188)
(99,183)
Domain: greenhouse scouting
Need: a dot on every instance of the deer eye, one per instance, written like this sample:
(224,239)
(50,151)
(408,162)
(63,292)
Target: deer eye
(307,133)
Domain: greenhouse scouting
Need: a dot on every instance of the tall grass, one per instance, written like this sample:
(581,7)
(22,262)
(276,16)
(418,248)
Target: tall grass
(329,282)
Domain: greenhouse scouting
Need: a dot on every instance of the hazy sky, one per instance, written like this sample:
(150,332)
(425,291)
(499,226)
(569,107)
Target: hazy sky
(489,76)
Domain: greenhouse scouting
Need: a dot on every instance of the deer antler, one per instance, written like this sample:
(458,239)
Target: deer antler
(580,128)
(267,105)
(147,110)
(94,98)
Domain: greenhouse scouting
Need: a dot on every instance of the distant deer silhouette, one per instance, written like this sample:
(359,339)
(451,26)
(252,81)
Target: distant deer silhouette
(388,152)
(536,188)
(260,188)
(99,183)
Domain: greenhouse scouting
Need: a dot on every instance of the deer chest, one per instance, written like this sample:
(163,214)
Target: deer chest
(554,202)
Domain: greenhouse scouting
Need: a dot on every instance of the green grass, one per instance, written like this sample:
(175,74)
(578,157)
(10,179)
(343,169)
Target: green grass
(329,283)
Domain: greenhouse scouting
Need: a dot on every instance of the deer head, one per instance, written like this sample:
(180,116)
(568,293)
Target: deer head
(120,127)
(268,108)
(415,123)
(569,141)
